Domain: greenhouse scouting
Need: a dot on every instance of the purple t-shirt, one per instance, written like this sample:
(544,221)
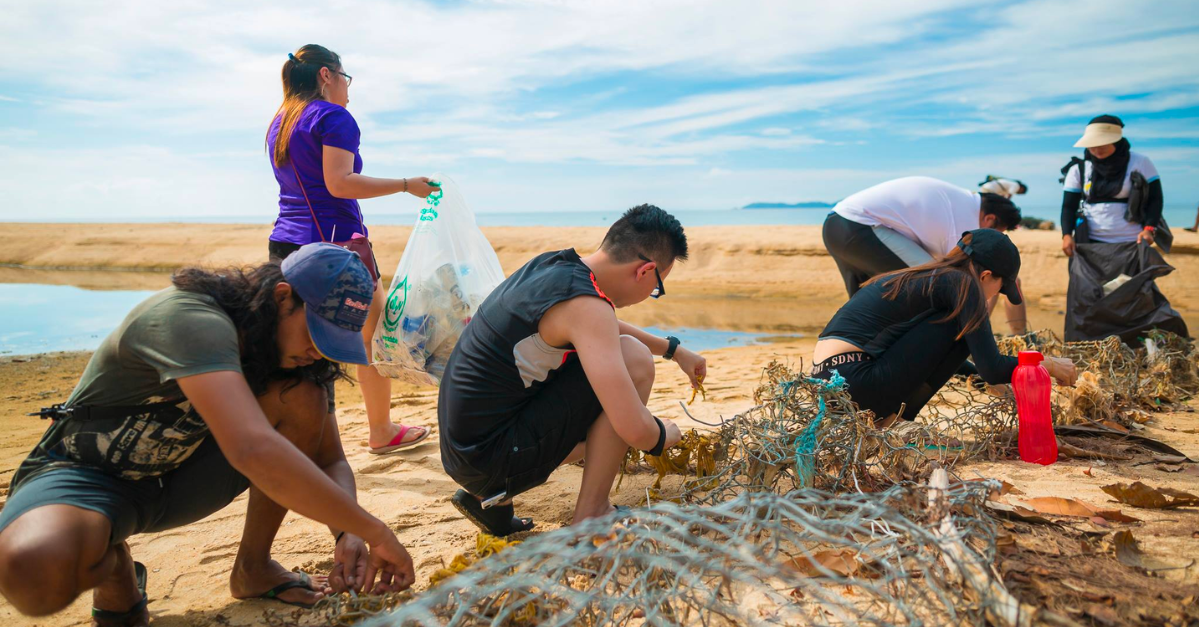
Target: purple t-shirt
(321,123)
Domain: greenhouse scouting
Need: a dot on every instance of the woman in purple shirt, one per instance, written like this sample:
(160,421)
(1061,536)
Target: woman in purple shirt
(318,148)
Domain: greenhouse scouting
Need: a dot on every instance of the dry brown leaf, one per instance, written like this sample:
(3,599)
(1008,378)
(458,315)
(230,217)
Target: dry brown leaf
(1111,424)
(1058,506)
(1023,514)
(840,561)
(1130,554)
(1140,495)
(1165,468)
(1116,516)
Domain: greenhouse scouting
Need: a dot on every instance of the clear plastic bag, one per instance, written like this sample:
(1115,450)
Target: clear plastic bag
(447,270)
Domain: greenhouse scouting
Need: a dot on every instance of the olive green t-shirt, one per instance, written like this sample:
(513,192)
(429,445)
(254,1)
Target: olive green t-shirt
(170,335)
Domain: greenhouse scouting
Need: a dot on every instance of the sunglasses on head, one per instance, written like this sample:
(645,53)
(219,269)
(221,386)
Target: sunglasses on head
(659,291)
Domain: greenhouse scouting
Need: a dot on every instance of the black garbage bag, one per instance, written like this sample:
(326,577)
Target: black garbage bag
(1128,311)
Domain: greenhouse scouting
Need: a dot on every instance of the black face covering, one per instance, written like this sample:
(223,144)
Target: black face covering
(1107,175)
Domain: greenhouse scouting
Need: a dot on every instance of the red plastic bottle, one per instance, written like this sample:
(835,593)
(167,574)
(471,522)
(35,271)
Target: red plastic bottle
(1031,383)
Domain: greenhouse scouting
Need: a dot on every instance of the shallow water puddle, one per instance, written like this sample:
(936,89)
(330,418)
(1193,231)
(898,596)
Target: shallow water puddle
(40,318)
(43,318)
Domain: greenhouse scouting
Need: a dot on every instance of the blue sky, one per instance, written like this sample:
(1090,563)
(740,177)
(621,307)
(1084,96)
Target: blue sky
(120,110)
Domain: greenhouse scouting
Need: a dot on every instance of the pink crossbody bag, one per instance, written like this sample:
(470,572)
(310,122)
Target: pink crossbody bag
(357,243)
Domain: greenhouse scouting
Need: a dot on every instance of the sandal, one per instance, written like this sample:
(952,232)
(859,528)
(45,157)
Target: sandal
(398,443)
(133,616)
(273,594)
(497,520)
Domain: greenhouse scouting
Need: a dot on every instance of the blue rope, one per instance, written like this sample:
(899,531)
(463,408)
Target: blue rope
(805,448)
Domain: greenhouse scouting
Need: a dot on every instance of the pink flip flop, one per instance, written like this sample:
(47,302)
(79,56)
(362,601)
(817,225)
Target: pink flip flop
(398,442)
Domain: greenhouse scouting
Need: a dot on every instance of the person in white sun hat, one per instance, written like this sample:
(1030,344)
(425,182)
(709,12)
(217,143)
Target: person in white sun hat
(1097,189)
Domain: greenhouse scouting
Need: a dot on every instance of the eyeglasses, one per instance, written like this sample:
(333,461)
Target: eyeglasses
(349,79)
(659,291)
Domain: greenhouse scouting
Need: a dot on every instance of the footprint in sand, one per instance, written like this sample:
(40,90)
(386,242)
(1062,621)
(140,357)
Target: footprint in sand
(382,465)
(396,402)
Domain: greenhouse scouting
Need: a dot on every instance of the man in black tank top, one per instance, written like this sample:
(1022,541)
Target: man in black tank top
(545,374)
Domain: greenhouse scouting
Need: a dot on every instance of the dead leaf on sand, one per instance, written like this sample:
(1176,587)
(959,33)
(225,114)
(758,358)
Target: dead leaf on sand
(1022,514)
(1141,495)
(1058,506)
(1130,554)
(840,561)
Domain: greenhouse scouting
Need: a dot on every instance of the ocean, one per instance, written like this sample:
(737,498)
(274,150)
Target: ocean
(1177,216)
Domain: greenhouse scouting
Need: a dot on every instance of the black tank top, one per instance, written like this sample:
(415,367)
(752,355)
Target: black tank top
(501,361)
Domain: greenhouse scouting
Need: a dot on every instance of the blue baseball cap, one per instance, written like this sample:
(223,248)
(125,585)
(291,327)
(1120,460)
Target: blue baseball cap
(337,290)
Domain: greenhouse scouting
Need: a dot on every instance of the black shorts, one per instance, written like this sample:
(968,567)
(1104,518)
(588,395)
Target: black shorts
(201,486)
(538,439)
(907,375)
(278,251)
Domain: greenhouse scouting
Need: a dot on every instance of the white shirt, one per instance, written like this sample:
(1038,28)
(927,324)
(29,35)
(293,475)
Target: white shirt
(928,211)
(1004,187)
(1106,219)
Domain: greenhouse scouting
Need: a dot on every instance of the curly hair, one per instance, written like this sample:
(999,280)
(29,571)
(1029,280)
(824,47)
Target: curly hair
(248,296)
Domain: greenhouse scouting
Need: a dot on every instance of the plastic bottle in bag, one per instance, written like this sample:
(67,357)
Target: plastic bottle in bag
(446,272)
(1031,384)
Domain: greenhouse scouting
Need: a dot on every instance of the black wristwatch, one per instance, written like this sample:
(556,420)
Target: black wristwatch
(672,345)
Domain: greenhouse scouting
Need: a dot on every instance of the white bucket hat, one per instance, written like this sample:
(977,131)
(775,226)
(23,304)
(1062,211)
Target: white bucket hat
(1103,130)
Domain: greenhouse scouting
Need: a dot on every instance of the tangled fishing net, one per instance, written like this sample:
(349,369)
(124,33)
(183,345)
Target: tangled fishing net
(800,511)
(809,557)
(1118,384)
(808,433)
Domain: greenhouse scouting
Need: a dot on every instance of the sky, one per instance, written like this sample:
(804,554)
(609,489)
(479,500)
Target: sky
(157,110)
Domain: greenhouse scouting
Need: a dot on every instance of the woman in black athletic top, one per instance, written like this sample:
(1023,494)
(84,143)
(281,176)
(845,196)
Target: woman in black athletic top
(901,337)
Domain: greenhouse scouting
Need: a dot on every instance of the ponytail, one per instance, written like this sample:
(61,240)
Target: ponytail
(301,85)
(955,263)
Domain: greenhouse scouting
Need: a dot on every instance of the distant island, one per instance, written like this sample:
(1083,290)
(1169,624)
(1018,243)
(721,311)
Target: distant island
(783,205)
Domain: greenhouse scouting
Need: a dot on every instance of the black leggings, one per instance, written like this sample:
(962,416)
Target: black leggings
(909,373)
(859,253)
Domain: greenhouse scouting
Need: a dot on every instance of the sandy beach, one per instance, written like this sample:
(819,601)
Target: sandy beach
(776,280)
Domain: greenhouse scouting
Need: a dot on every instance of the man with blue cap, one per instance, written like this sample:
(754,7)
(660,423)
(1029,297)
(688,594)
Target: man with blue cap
(209,387)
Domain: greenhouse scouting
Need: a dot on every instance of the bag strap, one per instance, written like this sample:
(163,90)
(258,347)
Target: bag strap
(61,411)
(305,192)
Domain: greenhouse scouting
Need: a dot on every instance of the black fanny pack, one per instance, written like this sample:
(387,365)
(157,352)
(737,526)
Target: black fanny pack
(852,357)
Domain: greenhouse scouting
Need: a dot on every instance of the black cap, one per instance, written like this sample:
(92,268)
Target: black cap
(995,252)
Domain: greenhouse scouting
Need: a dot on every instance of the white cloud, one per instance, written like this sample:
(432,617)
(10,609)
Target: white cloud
(16,134)
(503,84)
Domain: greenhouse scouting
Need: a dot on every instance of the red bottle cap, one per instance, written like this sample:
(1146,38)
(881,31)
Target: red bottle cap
(1029,358)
